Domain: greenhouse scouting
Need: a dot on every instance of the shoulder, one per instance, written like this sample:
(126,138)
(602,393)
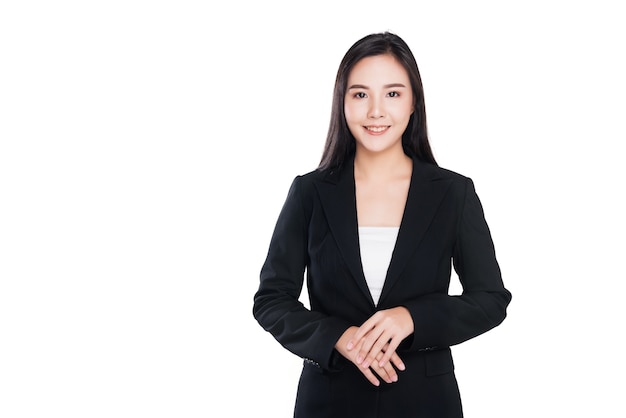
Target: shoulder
(305,181)
(435,172)
(334,176)
(302,186)
(457,184)
(312,176)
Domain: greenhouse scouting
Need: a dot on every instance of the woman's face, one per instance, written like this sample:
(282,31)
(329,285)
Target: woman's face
(378,103)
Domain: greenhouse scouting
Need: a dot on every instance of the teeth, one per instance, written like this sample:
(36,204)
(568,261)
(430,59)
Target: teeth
(376,128)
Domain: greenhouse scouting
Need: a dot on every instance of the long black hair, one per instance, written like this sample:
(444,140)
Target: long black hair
(340,144)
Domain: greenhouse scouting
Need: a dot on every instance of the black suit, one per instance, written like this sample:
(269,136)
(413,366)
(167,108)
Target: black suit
(443,222)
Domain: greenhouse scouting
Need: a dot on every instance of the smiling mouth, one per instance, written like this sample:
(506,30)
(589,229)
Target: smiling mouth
(376,129)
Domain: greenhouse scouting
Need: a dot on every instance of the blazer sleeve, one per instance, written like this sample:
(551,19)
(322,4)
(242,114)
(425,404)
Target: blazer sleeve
(308,334)
(442,320)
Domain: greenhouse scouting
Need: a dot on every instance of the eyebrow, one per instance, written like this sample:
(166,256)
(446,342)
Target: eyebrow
(387,86)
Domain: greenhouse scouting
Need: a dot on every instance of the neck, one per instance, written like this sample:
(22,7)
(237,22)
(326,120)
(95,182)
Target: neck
(382,166)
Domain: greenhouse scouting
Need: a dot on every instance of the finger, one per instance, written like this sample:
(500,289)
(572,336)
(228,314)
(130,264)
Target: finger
(368,341)
(359,335)
(389,351)
(366,327)
(391,372)
(394,358)
(366,346)
(358,347)
(388,374)
(397,361)
(370,376)
(375,349)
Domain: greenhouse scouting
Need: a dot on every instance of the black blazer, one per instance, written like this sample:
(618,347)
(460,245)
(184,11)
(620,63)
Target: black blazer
(316,232)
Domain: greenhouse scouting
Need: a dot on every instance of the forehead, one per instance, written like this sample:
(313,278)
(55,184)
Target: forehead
(378,69)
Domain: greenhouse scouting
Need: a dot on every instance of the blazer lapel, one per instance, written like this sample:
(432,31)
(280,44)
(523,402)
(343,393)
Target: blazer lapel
(425,195)
(338,198)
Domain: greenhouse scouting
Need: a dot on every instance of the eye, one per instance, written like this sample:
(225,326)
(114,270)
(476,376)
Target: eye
(393,94)
(360,95)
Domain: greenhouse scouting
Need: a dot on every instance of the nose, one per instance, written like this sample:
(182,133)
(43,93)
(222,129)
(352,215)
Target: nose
(376,109)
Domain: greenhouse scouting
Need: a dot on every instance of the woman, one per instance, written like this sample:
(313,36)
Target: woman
(377,228)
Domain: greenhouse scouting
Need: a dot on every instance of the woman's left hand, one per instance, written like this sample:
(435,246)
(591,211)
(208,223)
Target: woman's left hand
(389,326)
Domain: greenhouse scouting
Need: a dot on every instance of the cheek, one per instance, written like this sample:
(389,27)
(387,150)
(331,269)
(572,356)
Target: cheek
(350,113)
(347,113)
(403,111)
(355,107)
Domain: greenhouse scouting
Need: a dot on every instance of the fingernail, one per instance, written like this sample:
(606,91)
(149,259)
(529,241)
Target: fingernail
(350,345)
(394,378)
(365,364)
(401,366)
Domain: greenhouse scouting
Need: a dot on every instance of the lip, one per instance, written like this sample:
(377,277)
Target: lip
(376,129)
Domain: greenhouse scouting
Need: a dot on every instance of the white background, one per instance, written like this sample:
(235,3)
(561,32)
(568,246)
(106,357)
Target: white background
(147,147)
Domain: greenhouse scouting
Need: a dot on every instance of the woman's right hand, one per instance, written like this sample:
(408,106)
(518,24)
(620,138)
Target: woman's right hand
(388,372)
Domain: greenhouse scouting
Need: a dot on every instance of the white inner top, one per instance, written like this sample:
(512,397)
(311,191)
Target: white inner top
(377,243)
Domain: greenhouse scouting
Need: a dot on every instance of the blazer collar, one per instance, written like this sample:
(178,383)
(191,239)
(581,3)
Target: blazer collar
(337,194)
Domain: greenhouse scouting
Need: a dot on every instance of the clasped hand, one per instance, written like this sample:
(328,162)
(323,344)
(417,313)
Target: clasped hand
(372,346)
